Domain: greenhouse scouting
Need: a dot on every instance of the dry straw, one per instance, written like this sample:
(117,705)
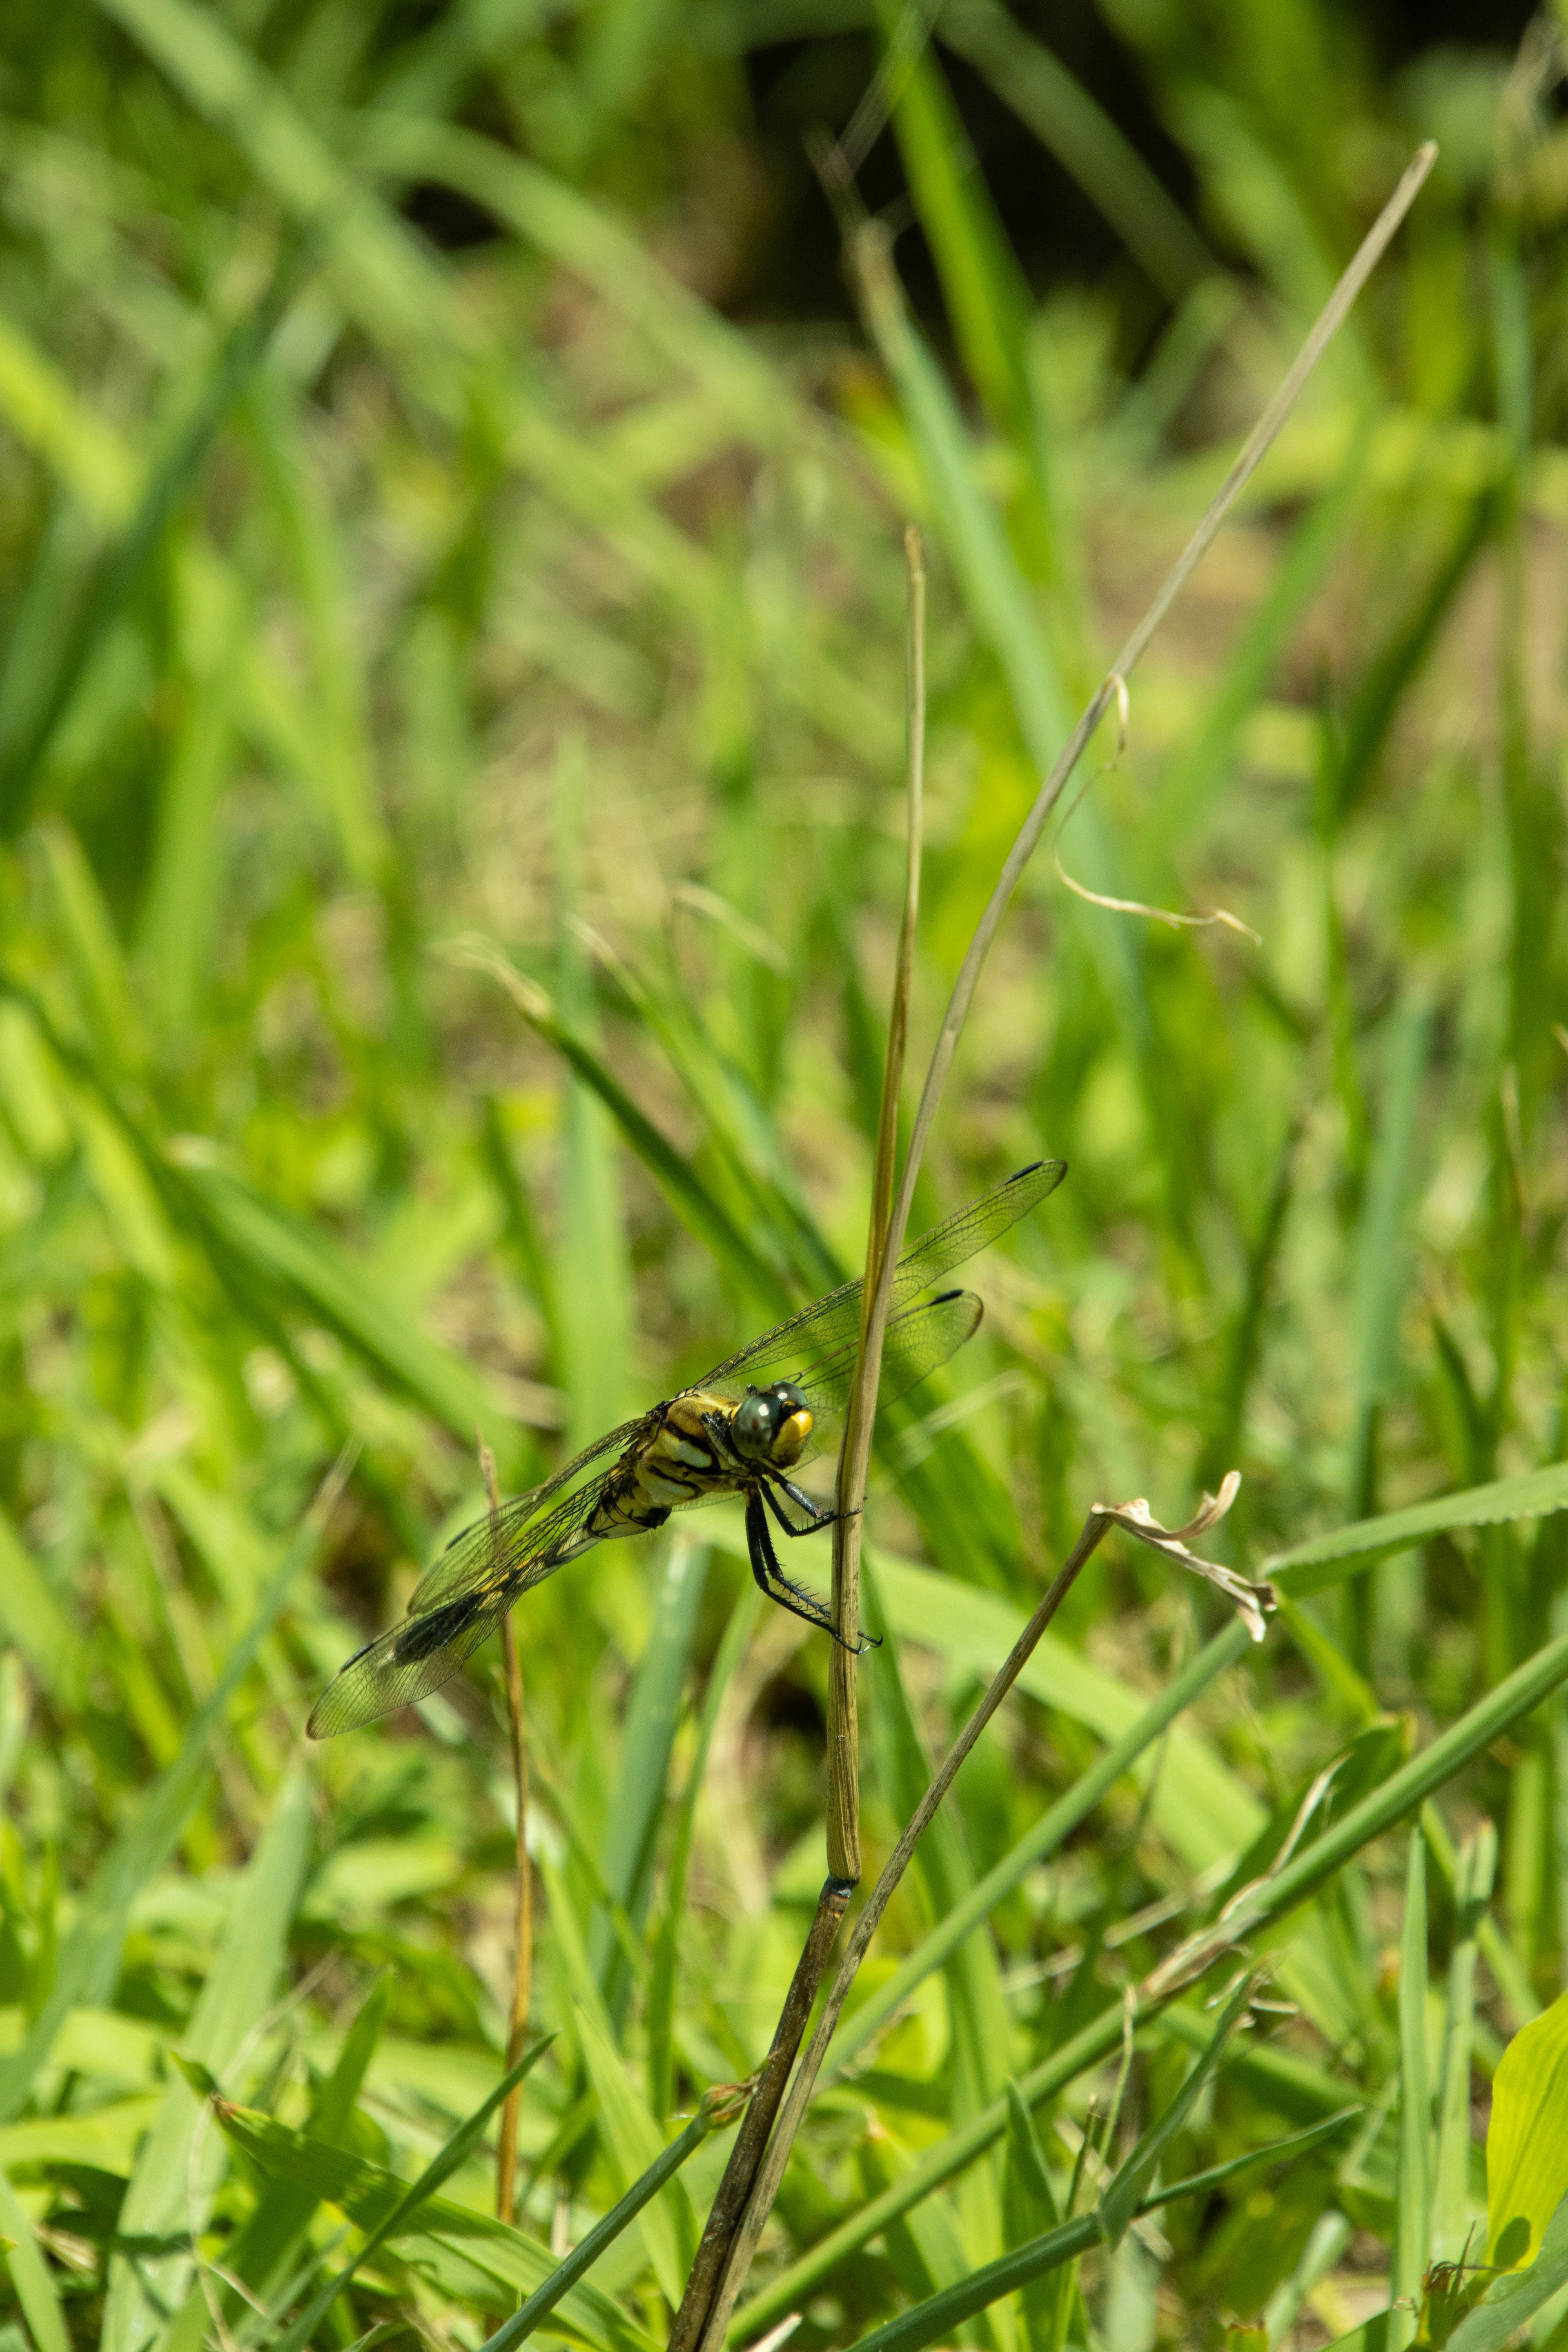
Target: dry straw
(762,2150)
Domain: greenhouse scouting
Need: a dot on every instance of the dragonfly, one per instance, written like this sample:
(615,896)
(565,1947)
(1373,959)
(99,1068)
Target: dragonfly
(742,1430)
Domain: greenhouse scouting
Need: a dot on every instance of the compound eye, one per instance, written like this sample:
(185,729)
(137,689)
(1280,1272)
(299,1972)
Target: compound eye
(755,1422)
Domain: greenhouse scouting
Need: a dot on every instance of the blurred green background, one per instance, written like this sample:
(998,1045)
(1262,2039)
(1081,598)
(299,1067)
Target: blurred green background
(451,495)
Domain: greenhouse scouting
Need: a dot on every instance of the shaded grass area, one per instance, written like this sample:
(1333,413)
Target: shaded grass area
(377,615)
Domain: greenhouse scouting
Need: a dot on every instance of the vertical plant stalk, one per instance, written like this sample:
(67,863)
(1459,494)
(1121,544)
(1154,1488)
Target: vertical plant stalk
(882,294)
(741,2172)
(522,1925)
(883,298)
(1135,1519)
(882,1245)
(884,1240)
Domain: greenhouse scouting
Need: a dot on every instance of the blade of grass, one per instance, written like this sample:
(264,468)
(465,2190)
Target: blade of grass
(661,1996)
(718,2108)
(651,1717)
(1084,139)
(1380,1811)
(1412,2242)
(31,2276)
(457,2149)
(1451,2224)
(88,1960)
(166,2182)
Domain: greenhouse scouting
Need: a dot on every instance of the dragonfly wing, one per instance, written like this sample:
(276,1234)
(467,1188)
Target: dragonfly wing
(916,1342)
(971,1230)
(414,1659)
(815,1332)
(498,1541)
(819,1332)
(487,1567)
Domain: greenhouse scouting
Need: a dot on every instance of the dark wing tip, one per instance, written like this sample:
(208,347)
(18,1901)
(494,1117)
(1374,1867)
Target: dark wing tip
(1055,1169)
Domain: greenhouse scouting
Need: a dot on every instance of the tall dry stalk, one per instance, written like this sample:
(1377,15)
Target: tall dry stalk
(854,1459)
(731,2235)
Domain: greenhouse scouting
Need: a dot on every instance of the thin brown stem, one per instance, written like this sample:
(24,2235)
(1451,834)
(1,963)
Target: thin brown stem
(870,251)
(882,1246)
(875,272)
(522,1925)
(741,2171)
(842,1724)
(759,2203)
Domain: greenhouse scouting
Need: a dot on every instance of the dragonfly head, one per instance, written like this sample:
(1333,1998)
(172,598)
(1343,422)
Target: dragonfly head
(773,1424)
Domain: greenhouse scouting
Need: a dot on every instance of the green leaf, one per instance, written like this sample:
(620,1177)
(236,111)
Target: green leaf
(715,2111)
(651,1718)
(1527,2138)
(668,2223)
(1327,1560)
(90,1957)
(1451,2191)
(1411,2238)
(407,2209)
(164,2193)
(1514,2300)
(31,2276)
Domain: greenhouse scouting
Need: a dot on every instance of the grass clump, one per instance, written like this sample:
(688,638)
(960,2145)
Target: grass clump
(414,574)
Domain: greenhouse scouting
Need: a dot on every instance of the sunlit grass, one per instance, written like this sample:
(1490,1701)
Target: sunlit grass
(509,601)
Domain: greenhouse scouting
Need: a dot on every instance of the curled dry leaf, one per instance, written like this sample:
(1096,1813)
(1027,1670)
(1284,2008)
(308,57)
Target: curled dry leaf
(1252,1603)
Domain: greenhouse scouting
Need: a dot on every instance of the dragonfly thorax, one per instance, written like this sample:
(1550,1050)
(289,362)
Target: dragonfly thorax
(772,1425)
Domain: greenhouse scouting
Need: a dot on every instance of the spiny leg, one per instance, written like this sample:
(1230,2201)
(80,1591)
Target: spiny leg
(816,1516)
(771,1579)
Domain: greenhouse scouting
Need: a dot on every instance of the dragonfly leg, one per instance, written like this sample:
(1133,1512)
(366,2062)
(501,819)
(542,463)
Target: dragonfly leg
(817,1519)
(771,1579)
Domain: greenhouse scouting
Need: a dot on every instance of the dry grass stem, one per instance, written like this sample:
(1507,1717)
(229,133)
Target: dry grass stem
(883,299)
(843,1822)
(875,272)
(1135,1518)
(883,1241)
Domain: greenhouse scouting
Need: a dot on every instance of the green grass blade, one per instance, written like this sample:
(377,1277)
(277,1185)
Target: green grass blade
(688,1195)
(1512,2301)
(986,297)
(31,2276)
(1084,139)
(660,2022)
(1451,2224)
(979,2023)
(652,1715)
(1413,2226)
(669,2224)
(235,1996)
(25,736)
(1126,2191)
(1325,1560)
(90,1957)
(263,2253)
(604,2233)
(459,2147)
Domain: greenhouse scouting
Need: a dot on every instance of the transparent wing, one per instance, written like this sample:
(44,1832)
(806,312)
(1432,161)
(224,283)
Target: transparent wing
(482,1572)
(916,1341)
(414,1659)
(819,1332)
(466,1561)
